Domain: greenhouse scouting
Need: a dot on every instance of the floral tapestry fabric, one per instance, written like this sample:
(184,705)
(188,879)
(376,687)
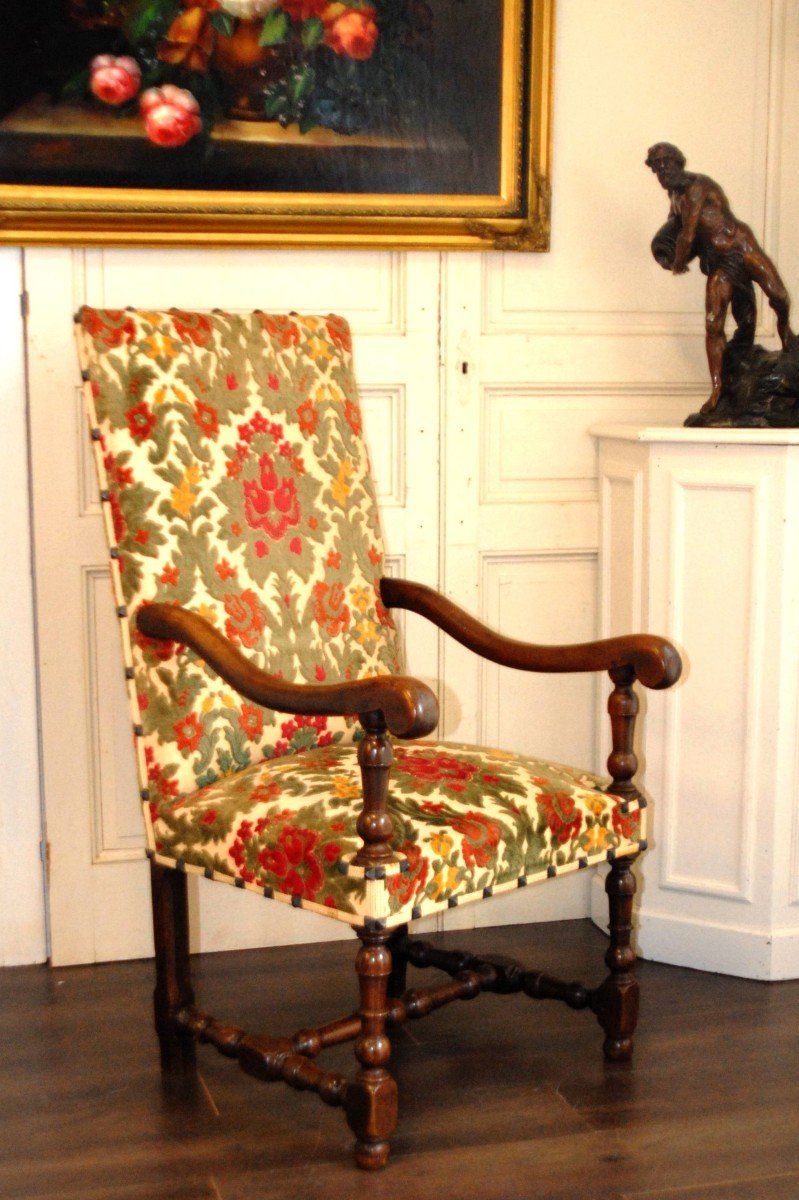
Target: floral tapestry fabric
(467,822)
(235,482)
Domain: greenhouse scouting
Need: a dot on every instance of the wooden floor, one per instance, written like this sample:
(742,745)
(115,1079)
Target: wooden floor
(500,1098)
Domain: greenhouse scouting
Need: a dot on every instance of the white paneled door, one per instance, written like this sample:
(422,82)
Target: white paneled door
(99,904)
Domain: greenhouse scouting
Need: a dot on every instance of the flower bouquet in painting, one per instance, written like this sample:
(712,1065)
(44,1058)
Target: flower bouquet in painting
(345,65)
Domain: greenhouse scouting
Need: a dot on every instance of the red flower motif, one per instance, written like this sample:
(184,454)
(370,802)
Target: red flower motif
(231,382)
(141,421)
(330,611)
(293,862)
(408,884)
(206,418)
(170,576)
(308,417)
(431,766)
(224,570)
(109,335)
(352,415)
(270,502)
(117,517)
(208,817)
(188,732)
(251,721)
(626,825)
(480,838)
(284,329)
(191,327)
(272,381)
(563,816)
(339,332)
(245,621)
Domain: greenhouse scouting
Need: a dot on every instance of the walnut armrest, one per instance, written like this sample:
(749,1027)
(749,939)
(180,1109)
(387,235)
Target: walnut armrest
(653,660)
(409,707)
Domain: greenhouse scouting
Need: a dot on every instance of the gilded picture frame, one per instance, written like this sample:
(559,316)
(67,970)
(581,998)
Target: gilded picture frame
(478,177)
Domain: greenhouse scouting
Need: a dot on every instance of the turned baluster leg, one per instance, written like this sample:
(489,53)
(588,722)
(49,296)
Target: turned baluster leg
(371,1099)
(173,989)
(615,1002)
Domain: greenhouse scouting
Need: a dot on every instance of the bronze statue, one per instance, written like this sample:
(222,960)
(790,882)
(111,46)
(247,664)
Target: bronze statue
(749,385)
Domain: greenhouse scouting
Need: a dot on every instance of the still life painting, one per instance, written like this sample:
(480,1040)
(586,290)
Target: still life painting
(377,122)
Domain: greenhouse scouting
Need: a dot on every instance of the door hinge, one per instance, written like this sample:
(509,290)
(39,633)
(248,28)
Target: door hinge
(45,853)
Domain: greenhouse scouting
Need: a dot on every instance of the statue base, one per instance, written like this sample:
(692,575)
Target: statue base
(760,389)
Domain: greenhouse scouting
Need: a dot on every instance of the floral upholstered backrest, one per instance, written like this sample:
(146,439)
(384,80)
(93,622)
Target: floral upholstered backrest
(235,482)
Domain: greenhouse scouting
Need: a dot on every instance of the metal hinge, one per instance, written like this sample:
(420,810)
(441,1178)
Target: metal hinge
(45,852)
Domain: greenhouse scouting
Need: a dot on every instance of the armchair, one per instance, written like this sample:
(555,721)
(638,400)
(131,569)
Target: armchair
(266,688)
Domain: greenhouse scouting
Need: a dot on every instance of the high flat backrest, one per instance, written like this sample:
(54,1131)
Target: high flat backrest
(235,482)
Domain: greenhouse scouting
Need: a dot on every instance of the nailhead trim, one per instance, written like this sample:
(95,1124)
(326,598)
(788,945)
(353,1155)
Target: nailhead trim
(122,611)
(296,901)
(551,872)
(416,913)
(582,863)
(145,794)
(487,892)
(452,902)
(268,892)
(96,435)
(375,873)
(181,866)
(521,881)
(208,872)
(611,855)
(128,672)
(643,844)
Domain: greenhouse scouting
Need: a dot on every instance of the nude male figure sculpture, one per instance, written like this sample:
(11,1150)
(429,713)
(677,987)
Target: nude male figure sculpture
(703,224)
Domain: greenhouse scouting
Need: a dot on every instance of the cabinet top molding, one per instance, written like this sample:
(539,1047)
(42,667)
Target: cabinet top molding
(707,437)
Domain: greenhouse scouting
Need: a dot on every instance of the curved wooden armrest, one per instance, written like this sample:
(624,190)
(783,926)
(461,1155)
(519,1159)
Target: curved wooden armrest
(409,707)
(654,661)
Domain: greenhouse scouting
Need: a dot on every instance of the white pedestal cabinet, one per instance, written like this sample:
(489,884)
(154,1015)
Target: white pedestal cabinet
(700,542)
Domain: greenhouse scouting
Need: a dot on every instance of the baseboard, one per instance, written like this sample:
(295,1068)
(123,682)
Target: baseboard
(706,945)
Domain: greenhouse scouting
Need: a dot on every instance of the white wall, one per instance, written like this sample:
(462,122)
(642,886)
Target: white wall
(592,330)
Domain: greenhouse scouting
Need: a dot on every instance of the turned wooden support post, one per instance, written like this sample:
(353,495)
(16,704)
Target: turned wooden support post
(623,709)
(374,824)
(371,1097)
(173,990)
(615,1002)
(398,947)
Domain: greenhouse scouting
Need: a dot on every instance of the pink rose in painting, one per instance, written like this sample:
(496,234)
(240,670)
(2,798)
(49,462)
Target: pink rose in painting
(171,115)
(114,80)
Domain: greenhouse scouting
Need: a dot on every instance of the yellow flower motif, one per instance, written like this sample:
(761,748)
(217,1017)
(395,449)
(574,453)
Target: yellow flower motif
(341,486)
(184,495)
(444,881)
(597,838)
(319,348)
(160,345)
(362,598)
(598,806)
(205,610)
(366,632)
(344,788)
(226,700)
(441,843)
(208,704)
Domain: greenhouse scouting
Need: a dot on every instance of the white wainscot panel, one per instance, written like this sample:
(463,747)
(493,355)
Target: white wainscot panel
(541,597)
(384,424)
(621,509)
(113,789)
(719,615)
(535,442)
(370,291)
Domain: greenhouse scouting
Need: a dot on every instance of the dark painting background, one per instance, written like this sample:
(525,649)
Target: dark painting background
(442,137)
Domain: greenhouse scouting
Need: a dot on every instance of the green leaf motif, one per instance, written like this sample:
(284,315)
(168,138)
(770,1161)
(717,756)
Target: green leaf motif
(312,33)
(223,23)
(275,28)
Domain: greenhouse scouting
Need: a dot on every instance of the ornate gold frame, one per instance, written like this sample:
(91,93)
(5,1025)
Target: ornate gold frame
(516,218)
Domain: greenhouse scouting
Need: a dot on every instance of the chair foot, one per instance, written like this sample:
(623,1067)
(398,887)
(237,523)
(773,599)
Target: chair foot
(173,990)
(371,1097)
(615,1001)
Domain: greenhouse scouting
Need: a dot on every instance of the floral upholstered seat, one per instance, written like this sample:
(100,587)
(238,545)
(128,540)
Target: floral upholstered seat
(468,823)
(277,740)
